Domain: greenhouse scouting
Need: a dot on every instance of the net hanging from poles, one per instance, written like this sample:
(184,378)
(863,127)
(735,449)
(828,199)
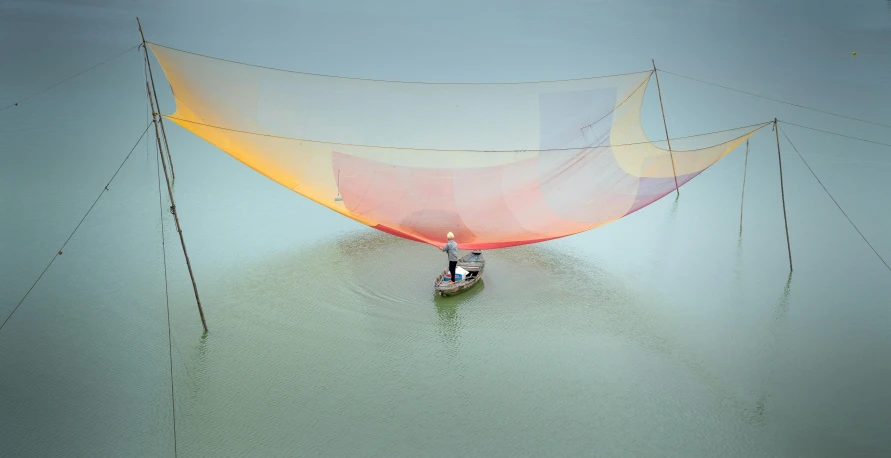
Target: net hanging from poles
(497,164)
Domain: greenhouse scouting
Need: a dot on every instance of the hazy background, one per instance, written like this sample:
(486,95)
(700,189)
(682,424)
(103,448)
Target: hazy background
(662,334)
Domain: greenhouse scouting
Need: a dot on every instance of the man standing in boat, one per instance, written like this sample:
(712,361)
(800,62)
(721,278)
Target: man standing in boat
(452,249)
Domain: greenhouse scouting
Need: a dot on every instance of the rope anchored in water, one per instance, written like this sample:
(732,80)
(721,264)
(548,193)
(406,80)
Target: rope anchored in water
(167,297)
(743,198)
(59,253)
(15,104)
(835,201)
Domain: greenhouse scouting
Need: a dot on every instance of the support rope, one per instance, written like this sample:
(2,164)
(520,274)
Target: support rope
(836,202)
(394,81)
(620,104)
(148,108)
(15,104)
(779,101)
(148,101)
(167,297)
(59,253)
(677,187)
(281,137)
(742,200)
(837,134)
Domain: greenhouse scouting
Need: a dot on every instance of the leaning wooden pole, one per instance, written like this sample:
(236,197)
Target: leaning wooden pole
(776,129)
(156,115)
(677,188)
(158,104)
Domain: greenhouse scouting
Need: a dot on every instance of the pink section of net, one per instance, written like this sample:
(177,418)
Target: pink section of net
(527,201)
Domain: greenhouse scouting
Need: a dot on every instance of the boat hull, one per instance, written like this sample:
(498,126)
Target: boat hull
(473,263)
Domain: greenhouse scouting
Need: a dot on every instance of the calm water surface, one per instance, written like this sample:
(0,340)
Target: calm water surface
(666,333)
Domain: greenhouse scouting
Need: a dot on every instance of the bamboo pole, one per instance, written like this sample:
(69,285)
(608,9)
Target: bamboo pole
(158,104)
(173,208)
(665,123)
(782,191)
(156,119)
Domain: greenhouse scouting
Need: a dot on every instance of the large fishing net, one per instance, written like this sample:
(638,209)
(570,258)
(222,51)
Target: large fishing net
(496,164)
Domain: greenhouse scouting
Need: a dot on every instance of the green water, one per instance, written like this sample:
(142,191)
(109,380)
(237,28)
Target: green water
(666,333)
(339,347)
(342,349)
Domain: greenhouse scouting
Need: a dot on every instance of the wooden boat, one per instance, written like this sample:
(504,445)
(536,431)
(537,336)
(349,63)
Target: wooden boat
(473,264)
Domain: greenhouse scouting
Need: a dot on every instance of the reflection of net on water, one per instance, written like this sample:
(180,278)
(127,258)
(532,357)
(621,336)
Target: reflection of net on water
(496,164)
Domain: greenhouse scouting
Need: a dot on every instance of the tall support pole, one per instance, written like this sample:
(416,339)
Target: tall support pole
(677,188)
(776,129)
(156,120)
(179,229)
(157,104)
